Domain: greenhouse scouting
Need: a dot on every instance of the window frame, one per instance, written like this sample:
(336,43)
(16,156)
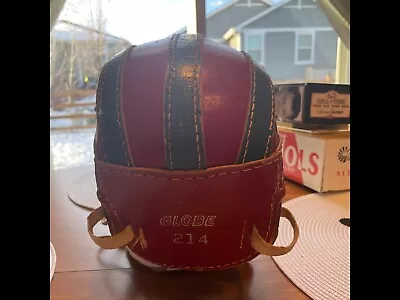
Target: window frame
(297,61)
(261,35)
(342,75)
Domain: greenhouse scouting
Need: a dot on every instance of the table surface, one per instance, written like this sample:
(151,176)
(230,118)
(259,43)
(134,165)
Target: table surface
(84,271)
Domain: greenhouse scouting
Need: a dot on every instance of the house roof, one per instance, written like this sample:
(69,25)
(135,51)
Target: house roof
(262,14)
(68,31)
(238,27)
(229,4)
(221,9)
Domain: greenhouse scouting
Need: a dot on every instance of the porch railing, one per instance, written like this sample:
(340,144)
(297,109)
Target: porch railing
(73,110)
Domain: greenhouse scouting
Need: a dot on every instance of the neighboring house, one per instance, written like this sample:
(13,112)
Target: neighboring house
(78,53)
(293,39)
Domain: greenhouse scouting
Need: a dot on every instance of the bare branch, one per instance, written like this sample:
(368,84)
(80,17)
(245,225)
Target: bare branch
(78,58)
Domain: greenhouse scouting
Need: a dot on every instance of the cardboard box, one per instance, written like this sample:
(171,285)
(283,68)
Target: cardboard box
(318,160)
(313,103)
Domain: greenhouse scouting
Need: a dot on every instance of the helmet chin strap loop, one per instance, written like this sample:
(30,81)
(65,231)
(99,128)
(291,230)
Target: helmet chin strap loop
(261,246)
(118,240)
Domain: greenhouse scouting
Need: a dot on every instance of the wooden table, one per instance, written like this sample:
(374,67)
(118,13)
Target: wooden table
(83,271)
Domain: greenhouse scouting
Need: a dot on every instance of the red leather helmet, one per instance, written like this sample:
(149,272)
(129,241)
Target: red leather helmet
(187,156)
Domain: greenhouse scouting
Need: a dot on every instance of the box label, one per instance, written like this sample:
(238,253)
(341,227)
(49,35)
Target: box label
(330,105)
(337,167)
(303,159)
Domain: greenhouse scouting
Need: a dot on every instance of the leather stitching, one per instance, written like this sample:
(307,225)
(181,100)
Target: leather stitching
(98,105)
(273,202)
(133,173)
(170,74)
(196,115)
(130,161)
(271,123)
(127,160)
(252,103)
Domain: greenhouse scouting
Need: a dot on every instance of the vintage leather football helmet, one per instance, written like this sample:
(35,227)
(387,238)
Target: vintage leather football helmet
(188,160)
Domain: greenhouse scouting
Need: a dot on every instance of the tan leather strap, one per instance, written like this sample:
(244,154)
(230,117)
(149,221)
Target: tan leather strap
(263,247)
(118,240)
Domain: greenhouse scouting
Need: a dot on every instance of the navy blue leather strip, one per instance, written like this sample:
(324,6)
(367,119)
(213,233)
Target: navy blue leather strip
(112,140)
(260,134)
(182,121)
(259,126)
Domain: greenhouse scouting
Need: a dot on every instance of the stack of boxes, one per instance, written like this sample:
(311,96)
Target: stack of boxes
(313,122)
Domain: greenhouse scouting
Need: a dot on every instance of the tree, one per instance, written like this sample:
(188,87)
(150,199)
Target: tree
(78,52)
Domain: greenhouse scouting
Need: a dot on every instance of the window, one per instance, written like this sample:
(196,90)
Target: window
(85,35)
(292,44)
(304,51)
(254,47)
